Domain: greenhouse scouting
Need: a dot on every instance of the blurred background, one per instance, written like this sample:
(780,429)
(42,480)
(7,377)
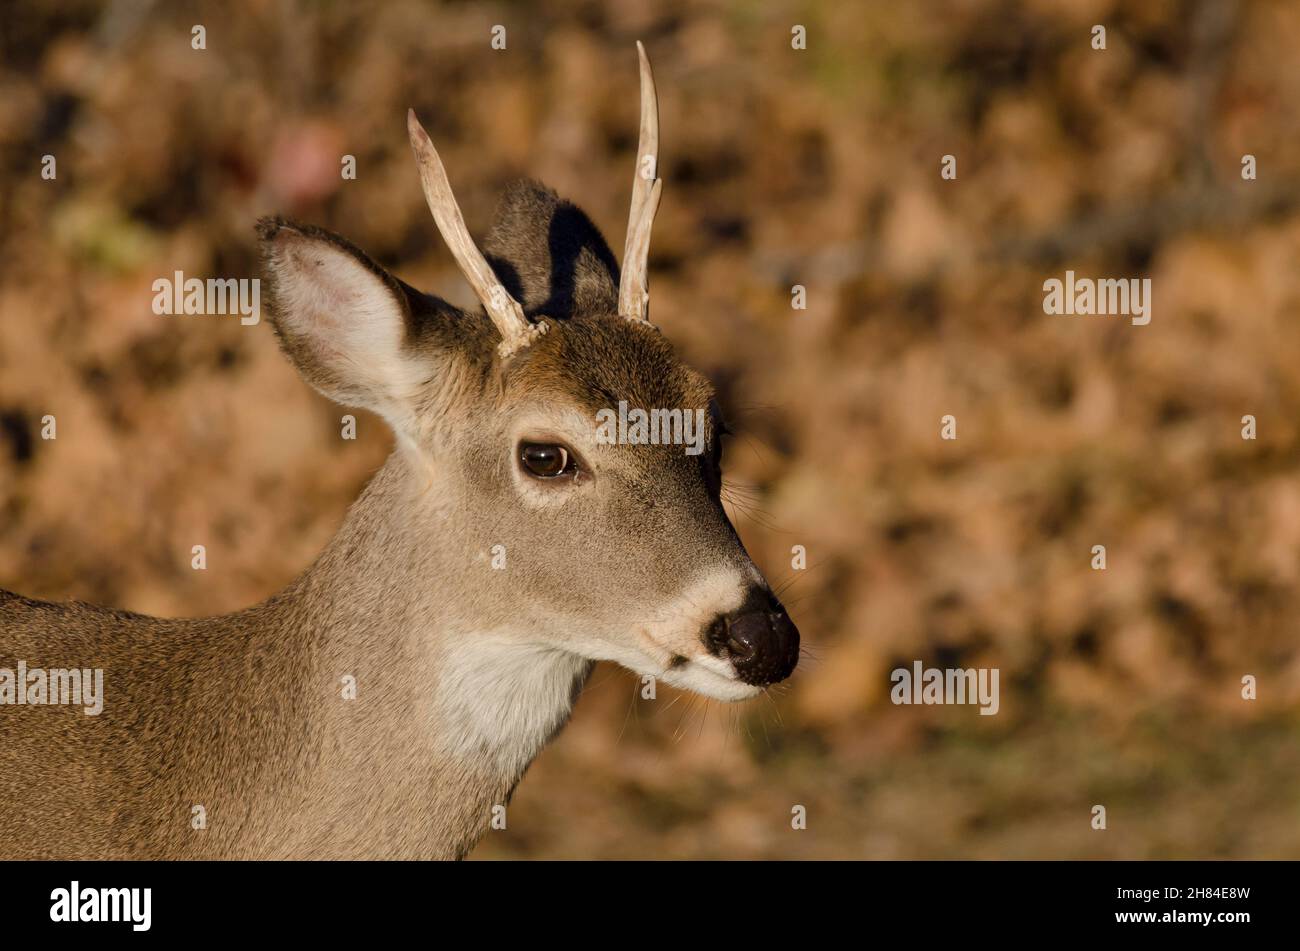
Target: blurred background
(817,167)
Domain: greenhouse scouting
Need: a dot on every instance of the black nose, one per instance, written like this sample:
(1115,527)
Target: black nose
(758,638)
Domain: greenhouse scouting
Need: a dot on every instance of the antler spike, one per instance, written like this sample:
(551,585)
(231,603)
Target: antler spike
(506,313)
(633,288)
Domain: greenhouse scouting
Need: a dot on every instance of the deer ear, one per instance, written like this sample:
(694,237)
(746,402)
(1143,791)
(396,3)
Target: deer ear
(342,320)
(549,255)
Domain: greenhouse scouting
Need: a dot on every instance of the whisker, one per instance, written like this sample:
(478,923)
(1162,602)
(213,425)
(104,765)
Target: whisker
(628,717)
(779,719)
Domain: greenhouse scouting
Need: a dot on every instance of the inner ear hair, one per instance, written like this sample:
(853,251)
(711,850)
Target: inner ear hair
(342,320)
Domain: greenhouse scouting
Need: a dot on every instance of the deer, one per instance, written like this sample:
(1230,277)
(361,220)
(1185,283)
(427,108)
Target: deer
(229,737)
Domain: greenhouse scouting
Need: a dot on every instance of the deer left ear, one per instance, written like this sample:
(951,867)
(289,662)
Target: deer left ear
(343,320)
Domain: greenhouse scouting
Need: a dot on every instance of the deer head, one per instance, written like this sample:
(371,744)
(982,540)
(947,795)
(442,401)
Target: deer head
(548,535)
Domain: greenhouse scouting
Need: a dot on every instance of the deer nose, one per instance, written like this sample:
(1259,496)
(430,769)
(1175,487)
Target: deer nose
(758,638)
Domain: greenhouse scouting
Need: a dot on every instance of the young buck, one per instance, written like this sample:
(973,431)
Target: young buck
(502,549)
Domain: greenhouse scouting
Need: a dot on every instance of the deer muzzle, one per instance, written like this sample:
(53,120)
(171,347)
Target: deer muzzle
(758,638)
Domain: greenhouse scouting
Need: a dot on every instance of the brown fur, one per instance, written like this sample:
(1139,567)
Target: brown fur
(242,714)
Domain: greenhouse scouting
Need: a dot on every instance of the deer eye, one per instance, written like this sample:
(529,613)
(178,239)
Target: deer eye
(546,460)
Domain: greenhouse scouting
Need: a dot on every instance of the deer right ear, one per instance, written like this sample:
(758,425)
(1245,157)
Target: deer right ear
(342,319)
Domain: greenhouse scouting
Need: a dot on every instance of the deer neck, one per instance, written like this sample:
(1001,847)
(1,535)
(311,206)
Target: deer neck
(450,708)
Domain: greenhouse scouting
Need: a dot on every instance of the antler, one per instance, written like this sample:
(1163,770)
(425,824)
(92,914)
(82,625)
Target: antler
(633,289)
(506,313)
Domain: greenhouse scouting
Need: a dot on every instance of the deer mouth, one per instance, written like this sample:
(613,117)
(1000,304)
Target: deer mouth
(703,676)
